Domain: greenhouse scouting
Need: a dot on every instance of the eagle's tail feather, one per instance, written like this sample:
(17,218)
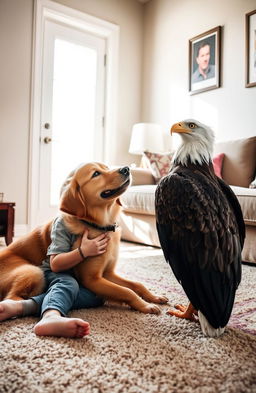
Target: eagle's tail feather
(207,329)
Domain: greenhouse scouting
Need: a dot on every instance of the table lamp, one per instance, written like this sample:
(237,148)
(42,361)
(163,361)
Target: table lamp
(146,136)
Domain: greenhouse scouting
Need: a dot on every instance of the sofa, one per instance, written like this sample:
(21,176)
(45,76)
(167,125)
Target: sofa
(137,219)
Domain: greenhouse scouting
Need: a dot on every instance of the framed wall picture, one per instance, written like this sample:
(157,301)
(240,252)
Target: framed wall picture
(250,47)
(204,61)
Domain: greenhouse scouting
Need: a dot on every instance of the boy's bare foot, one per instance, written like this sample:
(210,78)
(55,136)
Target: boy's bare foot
(56,325)
(10,308)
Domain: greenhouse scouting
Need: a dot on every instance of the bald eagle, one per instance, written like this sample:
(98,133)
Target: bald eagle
(201,230)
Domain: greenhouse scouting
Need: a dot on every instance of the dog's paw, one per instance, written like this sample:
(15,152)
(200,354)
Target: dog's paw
(151,309)
(161,299)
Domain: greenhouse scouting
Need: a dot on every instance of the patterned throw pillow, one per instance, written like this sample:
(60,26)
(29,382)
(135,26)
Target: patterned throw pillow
(217,164)
(158,163)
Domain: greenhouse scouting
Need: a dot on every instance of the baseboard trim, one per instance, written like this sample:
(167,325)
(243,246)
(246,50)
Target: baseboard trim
(20,230)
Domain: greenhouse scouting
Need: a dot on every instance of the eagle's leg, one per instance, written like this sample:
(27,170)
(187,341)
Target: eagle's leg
(184,312)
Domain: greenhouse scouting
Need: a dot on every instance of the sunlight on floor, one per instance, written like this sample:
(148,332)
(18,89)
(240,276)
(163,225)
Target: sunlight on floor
(135,250)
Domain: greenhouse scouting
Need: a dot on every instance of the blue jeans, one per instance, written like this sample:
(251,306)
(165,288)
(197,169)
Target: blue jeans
(64,294)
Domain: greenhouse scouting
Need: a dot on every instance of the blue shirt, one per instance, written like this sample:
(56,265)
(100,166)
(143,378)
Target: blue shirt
(62,241)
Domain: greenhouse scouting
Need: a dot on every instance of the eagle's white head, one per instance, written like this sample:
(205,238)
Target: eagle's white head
(197,142)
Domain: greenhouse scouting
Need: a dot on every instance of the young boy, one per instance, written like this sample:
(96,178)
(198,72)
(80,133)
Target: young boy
(63,291)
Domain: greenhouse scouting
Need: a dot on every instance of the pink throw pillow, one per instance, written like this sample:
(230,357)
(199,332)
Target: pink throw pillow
(217,164)
(158,163)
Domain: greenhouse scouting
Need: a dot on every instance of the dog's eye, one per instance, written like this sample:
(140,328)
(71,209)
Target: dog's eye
(96,173)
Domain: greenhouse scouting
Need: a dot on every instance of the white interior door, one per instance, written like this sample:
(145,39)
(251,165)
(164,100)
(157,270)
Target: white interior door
(72,110)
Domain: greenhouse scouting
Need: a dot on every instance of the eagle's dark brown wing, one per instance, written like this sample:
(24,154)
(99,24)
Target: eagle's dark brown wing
(234,204)
(198,230)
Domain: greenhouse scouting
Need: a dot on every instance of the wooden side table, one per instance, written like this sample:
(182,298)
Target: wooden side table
(7,214)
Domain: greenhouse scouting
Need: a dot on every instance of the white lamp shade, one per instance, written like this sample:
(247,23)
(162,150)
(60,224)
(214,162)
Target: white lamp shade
(146,136)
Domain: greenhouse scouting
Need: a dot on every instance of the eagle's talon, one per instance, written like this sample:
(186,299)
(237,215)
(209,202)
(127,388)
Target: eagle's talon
(180,307)
(186,312)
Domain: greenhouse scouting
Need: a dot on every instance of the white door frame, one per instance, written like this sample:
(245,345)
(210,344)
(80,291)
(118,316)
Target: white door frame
(49,10)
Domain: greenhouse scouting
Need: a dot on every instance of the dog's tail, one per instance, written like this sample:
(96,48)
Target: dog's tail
(21,282)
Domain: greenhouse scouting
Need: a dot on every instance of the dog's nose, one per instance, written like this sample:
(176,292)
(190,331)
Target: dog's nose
(125,171)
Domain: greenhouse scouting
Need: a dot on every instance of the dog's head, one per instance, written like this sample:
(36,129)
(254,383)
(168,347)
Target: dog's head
(93,186)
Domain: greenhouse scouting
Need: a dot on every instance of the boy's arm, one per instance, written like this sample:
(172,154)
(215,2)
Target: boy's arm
(89,247)
(65,260)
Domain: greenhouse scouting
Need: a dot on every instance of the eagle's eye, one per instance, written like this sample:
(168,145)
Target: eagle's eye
(192,125)
(96,173)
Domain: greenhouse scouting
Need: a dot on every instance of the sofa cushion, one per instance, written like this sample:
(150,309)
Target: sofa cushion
(247,200)
(239,162)
(139,199)
(141,176)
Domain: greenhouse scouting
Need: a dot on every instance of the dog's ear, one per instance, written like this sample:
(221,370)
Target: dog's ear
(66,183)
(71,201)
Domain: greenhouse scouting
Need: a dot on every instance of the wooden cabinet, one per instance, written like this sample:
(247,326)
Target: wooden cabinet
(7,213)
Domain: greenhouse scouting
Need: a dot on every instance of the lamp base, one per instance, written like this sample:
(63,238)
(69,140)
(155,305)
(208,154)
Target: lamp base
(144,162)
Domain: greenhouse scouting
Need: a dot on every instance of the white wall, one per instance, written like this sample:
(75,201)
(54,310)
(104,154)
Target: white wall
(169,25)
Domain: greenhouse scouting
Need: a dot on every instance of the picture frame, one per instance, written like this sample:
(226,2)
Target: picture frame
(205,61)
(250,49)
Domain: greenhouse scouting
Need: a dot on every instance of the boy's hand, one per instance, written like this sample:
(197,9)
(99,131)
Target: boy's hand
(96,246)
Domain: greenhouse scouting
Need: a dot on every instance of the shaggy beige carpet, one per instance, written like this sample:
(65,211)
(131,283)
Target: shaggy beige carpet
(136,353)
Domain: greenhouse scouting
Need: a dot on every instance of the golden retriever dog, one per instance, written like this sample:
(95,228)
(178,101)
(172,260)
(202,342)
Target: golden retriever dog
(90,199)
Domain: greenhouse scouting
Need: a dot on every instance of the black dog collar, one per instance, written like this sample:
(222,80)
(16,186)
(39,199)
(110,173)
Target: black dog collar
(107,228)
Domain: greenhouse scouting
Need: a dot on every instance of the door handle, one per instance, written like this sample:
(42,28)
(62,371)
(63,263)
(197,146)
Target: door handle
(47,139)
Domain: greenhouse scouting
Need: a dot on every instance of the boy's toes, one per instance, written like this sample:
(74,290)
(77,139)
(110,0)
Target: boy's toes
(81,332)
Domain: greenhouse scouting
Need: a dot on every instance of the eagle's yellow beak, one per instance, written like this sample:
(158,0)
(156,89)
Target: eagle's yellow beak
(179,127)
